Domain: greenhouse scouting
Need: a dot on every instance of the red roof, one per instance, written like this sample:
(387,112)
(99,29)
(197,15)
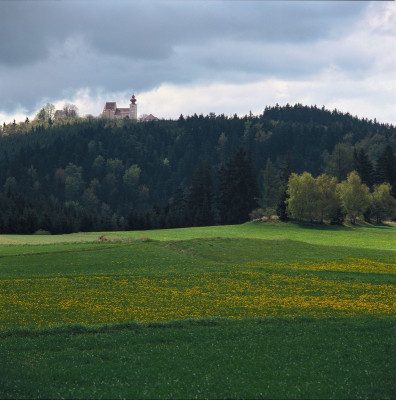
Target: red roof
(110,106)
(151,117)
(122,111)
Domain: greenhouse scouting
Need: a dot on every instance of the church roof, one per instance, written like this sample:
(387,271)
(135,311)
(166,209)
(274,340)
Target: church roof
(110,105)
(150,117)
(122,111)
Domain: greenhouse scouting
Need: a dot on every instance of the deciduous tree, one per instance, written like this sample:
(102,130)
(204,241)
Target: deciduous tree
(354,196)
(383,204)
(328,201)
(303,197)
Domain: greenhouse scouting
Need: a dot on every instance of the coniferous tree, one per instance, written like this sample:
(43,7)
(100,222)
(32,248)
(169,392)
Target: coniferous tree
(200,198)
(363,167)
(386,168)
(272,187)
(340,162)
(238,188)
(177,210)
(286,170)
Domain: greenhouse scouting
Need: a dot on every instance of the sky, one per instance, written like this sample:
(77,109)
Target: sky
(198,56)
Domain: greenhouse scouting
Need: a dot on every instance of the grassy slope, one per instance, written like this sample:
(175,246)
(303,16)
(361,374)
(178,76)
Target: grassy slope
(374,237)
(154,257)
(383,237)
(276,358)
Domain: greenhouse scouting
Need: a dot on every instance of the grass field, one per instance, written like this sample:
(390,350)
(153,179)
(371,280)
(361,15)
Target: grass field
(255,310)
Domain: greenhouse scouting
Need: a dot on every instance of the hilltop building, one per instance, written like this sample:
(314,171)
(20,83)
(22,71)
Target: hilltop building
(111,111)
(60,114)
(148,118)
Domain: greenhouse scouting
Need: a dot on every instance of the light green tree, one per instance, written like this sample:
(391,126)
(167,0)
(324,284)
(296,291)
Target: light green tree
(115,166)
(328,201)
(303,197)
(131,177)
(383,204)
(46,113)
(354,196)
(74,182)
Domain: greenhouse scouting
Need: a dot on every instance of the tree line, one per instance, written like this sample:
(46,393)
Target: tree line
(97,174)
(323,198)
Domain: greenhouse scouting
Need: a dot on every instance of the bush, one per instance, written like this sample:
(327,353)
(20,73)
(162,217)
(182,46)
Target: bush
(42,232)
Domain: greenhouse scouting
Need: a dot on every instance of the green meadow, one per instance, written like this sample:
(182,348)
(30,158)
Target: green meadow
(257,310)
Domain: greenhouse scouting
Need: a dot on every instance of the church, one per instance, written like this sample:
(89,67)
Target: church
(110,110)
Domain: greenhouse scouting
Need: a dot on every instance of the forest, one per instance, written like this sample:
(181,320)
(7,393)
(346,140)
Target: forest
(94,174)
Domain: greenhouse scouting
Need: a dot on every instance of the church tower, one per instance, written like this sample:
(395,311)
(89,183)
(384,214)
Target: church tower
(133,108)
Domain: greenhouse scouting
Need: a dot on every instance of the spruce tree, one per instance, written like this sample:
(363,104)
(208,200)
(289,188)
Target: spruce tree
(386,168)
(271,188)
(286,169)
(364,167)
(238,188)
(200,199)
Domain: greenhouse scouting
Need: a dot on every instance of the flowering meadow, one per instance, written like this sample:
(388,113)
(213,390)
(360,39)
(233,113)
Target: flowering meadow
(149,282)
(283,313)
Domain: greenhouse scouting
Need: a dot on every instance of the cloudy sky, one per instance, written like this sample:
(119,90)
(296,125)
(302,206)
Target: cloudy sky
(196,56)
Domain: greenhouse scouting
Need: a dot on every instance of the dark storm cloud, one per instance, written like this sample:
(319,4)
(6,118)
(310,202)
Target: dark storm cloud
(151,29)
(50,49)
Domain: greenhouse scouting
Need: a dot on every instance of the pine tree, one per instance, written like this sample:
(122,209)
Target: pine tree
(286,170)
(271,188)
(364,167)
(200,199)
(386,168)
(238,188)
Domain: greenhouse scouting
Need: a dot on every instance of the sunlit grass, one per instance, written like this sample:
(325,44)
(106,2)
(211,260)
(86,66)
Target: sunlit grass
(365,236)
(288,312)
(155,281)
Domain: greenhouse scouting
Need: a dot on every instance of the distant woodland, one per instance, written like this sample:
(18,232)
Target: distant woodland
(88,174)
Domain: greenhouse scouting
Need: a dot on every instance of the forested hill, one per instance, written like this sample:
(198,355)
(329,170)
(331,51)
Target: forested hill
(106,170)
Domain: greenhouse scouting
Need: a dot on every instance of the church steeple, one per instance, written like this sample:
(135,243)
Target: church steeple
(133,108)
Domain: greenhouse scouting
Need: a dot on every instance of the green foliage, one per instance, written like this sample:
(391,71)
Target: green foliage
(383,205)
(37,153)
(41,232)
(354,196)
(272,187)
(328,202)
(200,200)
(312,199)
(340,162)
(74,182)
(303,197)
(386,168)
(131,176)
(364,167)
(46,113)
(238,188)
